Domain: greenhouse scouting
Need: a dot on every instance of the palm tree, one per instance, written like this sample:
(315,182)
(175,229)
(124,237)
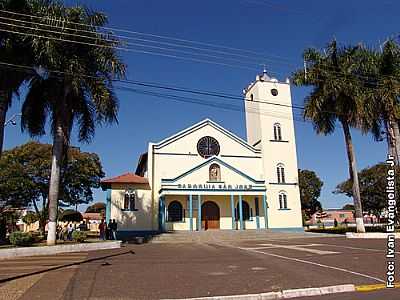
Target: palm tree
(14,50)
(336,96)
(383,99)
(81,94)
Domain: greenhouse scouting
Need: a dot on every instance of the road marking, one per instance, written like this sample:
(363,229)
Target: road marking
(356,248)
(294,247)
(311,263)
(284,294)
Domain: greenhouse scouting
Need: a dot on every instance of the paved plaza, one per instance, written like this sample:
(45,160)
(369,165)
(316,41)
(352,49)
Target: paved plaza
(202,264)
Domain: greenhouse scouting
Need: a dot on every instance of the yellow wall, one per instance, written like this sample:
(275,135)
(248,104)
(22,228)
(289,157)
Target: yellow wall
(131,220)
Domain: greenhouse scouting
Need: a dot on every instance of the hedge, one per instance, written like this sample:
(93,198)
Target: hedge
(19,238)
(343,229)
(79,236)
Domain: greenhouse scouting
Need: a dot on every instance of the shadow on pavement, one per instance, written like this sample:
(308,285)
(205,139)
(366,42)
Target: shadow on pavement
(64,266)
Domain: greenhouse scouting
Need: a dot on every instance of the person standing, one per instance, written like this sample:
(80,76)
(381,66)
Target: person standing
(70,230)
(114,229)
(109,229)
(102,230)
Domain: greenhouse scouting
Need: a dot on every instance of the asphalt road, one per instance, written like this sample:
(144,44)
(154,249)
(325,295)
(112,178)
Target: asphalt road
(211,268)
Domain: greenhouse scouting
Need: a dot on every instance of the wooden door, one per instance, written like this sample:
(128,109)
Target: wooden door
(210,215)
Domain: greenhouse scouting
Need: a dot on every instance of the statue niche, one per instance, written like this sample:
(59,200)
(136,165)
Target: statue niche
(215,173)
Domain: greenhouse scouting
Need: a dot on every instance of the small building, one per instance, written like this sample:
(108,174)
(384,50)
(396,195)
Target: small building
(205,177)
(92,220)
(342,216)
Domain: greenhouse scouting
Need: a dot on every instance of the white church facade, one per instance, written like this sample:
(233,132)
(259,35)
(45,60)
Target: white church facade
(205,177)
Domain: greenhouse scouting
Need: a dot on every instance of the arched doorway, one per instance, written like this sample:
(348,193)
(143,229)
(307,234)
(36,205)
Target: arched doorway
(209,215)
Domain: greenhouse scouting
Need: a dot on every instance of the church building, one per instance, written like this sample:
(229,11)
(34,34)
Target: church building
(206,177)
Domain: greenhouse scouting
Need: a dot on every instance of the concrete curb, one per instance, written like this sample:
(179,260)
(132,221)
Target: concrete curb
(371,235)
(48,250)
(285,294)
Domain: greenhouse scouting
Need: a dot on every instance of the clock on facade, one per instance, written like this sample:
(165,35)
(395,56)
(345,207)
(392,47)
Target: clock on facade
(208,146)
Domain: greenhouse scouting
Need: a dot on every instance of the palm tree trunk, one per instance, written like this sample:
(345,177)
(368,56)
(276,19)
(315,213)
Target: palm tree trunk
(354,177)
(56,161)
(3,113)
(389,139)
(396,132)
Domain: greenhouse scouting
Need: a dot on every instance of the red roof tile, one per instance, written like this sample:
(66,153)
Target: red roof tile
(126,178)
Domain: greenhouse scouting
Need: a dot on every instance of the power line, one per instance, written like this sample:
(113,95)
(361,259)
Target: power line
(133,50)
(102,35)
(128,43)
(171,88)
(187,99)
(179,89)
(207,103)
(146,34)
(163,54)
(144,45)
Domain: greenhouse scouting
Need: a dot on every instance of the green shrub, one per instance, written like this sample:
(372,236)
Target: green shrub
(19,238)
(344,229)
(79,236)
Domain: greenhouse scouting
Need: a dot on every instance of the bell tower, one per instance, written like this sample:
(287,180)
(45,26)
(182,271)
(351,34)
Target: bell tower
(270,128)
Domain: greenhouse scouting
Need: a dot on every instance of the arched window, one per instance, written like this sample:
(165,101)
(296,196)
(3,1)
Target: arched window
(280,172)
(247,213)
(130,200)
(282,200)
(175,212)
(277,132)
(215,173)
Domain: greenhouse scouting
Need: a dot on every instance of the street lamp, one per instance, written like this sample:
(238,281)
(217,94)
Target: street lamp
(12,120)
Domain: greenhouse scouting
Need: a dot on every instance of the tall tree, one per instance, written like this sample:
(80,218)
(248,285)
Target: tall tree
(372,187)
(25,177)
(310,189)
(81,94)
(336,96)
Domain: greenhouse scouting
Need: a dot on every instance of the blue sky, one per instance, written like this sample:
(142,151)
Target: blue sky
(278,31)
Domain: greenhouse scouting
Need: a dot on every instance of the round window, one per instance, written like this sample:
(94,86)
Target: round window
(208,146)
(274,92)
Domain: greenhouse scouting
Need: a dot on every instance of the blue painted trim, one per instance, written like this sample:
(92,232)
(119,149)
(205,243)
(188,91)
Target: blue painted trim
(241,212)
(265,206)
(191,211)
(214,159)
(162,214)
(284,209)
(288,229)
(108,205)
(199,213)
(233,211)
(210,190)
(257,212)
